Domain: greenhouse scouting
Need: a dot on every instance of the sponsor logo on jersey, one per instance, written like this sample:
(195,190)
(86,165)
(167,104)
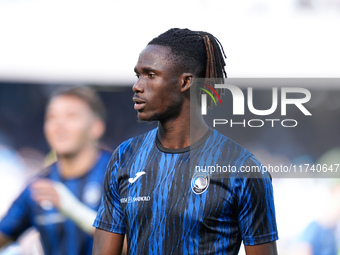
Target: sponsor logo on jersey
(139,174)
(135,199)
(200,182)
(49,218)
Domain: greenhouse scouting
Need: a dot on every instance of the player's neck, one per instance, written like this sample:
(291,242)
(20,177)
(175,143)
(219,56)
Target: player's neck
(78,164)
(183,131)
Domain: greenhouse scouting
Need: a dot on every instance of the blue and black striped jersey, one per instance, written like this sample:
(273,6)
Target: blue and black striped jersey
(167,203)
(59,235)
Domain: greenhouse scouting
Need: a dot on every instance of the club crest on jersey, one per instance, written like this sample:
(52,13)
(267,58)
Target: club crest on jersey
(200,182)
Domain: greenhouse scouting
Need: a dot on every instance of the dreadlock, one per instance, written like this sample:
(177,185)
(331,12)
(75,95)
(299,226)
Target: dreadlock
(196,52)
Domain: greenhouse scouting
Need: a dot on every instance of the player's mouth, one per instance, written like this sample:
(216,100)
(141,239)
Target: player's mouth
(139,103)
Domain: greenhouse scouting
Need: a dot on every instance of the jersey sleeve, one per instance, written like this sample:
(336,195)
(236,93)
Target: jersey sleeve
(256,211)
(110,216)
(17,219)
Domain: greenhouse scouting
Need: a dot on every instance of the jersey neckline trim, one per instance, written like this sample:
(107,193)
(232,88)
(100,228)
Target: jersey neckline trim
(185,149)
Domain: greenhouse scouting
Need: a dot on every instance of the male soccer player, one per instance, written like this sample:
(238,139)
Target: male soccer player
(151,192)
(62,202)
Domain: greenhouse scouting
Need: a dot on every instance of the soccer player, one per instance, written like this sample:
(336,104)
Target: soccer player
(151,192)
(61,203)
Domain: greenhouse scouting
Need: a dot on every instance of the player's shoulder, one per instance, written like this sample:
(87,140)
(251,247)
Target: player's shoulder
(137,141)
(134,145)
(237,156)
(219,138)
(227,144)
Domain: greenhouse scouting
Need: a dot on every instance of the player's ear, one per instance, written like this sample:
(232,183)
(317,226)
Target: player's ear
(186,81)
(97,129)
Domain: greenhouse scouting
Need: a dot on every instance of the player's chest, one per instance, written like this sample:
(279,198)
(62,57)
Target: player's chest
(170,186)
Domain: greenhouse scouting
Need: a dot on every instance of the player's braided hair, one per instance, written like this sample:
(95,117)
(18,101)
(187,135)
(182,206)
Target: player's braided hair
(196,52)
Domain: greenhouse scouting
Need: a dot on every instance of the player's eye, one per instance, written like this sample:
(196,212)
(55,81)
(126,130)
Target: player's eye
(137,75)
(151,75)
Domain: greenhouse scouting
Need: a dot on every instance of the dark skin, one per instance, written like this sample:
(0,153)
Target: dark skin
(162,94)
(107,243)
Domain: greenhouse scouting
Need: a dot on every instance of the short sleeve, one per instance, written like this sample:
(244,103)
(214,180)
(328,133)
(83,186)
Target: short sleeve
(110,216)
(256,211)
(17,219)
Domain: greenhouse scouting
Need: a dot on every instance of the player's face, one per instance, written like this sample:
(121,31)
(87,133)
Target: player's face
(69,125)
(157,90)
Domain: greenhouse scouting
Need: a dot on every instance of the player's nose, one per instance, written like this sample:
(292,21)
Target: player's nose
(138,87)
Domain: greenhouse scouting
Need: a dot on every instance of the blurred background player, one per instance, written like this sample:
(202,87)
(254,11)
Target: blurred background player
(321,235)
(61,202)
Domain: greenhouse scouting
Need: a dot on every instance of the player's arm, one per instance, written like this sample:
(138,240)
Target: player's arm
(62,198)
(256,218)
(107,243)
(110,220)
(16,220)
(261,249)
